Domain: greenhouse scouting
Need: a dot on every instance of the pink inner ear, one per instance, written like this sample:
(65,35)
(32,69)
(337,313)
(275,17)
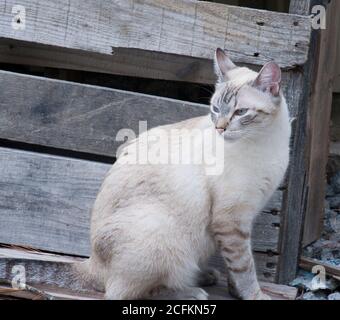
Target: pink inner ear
(269,78)
(223,61)
(275,89)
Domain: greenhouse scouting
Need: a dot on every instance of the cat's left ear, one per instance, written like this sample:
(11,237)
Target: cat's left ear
(269,79)
(223,64)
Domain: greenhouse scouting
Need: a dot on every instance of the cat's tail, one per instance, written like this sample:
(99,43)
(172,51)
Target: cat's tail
(74,276)
(84,278)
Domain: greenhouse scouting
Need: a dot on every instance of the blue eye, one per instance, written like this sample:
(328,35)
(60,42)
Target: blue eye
(241,112)
(216,109)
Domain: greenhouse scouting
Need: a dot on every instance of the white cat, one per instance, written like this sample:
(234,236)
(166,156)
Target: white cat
(154,226)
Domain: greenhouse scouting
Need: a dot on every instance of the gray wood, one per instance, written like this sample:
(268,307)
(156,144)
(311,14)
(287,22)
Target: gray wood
(294,204)
(47,273)
(128,62)
(300,6)
(182,27)
(308,264)
(45,203)
(320,117)
(56,270)
(297,197)
(86,118)
(79,117)
(337,67)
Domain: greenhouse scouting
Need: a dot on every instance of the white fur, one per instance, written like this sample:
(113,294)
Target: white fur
(151,224)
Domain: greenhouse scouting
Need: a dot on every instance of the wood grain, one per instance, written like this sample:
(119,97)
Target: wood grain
(128,62)
(183,27)
(319,124)
(46,272)
(308,265)
(337,66)
(79,117)
(297,194)
(45,203)
(300,6)
(87,118)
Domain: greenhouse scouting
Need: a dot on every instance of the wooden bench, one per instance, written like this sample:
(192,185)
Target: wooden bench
(57,138)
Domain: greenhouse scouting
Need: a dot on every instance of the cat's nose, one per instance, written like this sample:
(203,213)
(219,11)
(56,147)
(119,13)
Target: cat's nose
(222,125)
(220,130)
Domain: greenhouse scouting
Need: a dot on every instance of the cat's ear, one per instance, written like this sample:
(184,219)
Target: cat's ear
(223,64)
(269,79)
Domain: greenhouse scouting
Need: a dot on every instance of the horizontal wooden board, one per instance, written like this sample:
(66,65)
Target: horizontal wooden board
(128,62)
(79,117)
(45,203)
(87,118)
(183,27)
(47,272)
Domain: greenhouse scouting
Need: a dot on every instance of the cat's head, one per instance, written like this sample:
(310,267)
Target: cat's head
(244,102)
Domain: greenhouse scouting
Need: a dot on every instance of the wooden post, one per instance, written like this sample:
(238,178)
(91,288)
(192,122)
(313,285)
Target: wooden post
(319,123)
(302,223)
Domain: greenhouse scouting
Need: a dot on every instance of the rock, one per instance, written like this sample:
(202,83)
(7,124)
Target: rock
(334,202)
(310,282)
(314,296)
(337,224)
(336,254)
(329,191)
(303,281)
(332,284)
(334,296)
(330,222)
(335,182)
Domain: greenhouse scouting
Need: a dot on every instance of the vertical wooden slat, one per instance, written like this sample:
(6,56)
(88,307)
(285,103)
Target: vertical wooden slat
(309,151)
(337,66)
(300,6)
(319,124)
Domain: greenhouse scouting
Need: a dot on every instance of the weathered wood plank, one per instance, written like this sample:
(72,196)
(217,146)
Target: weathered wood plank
(296,197)
(78,117)
(45,203)
(86,118)
(218,292)
(182,27)
(337,67)
(128,62)
(301,7)
(319,124)
(308,265)
(50,273)
(43,292)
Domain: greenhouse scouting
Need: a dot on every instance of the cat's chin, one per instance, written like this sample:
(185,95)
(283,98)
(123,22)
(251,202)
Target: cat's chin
(230,136)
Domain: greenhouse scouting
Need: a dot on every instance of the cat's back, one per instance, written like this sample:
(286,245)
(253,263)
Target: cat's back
(136,177)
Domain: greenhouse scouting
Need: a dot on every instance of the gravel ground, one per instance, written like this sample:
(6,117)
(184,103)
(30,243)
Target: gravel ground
(327,250)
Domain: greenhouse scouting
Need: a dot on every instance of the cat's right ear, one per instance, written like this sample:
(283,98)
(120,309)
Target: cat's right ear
(223,64)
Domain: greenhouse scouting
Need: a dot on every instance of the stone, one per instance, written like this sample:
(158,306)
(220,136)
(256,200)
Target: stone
(327,206)
(335,182)
(330,221)
(314,296)
(334,202)
(303,281)
(334,296)
(329,191)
